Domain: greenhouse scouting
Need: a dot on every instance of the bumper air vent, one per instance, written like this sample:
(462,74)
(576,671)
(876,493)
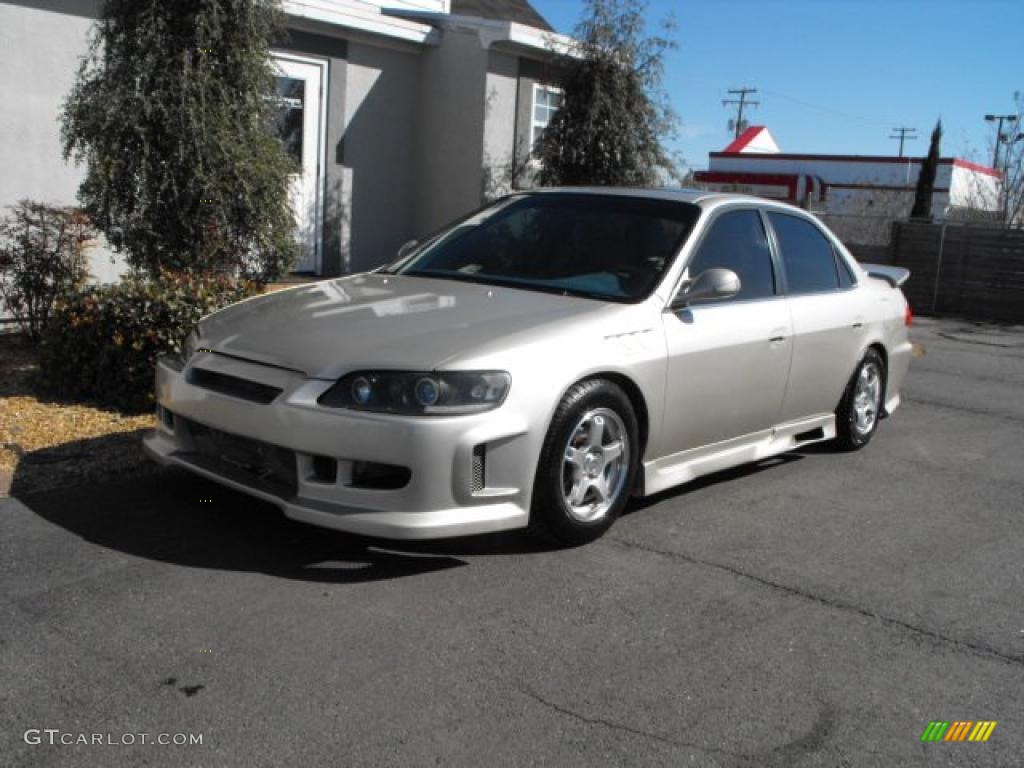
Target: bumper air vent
(233,386)
(478,480)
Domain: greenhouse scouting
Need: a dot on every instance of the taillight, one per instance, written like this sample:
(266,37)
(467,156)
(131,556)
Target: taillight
(908,316)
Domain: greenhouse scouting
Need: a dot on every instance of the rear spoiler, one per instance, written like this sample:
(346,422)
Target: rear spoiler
(894,276)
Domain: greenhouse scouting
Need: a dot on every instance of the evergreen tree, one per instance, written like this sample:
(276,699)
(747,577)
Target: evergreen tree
(614,116)
(926,179)
(173,115)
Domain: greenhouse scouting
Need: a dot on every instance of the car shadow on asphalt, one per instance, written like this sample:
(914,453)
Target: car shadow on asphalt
(174,517)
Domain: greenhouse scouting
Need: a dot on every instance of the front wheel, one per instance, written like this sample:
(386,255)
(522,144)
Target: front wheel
(861,407)
(587,464)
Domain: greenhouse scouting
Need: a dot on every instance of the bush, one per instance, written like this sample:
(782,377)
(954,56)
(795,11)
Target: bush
(42,257)
(102,343)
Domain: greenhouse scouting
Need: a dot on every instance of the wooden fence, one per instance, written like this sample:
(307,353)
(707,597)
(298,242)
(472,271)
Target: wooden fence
(968,270)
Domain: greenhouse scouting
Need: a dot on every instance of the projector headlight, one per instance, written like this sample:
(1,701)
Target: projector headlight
(419,393)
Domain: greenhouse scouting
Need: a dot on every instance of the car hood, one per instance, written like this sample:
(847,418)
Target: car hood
(328,328)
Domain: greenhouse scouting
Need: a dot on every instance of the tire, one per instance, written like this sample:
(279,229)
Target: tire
(860,409)
(587,464)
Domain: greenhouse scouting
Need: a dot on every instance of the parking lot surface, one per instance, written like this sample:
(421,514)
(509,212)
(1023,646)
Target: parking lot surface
(815,610)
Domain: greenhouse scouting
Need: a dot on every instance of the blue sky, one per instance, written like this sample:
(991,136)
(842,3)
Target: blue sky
(835,76)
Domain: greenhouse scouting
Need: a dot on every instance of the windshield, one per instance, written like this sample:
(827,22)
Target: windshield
(611,247)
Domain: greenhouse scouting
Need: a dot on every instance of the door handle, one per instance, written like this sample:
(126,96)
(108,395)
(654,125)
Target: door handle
(858,324)
(777,339)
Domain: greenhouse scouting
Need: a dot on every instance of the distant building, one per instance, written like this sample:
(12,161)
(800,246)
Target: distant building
(867,186)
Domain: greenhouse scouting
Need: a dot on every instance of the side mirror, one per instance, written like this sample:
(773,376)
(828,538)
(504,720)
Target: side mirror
(709,284)
(407,247)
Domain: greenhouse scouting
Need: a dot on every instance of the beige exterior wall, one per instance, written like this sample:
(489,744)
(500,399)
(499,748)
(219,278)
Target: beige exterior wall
(41,44)
(378,158)
(499,140)
(452,87)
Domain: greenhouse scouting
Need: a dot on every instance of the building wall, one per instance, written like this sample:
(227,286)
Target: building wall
(875,186)
(378,155)
(499,152)
(41,43)
(973,189)
(450,110)
(834,172)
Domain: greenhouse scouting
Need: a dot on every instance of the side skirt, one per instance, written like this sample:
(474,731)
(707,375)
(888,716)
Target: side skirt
(669,471)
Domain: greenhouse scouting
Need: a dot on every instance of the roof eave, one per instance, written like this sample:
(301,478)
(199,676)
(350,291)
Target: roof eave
(362,17)
(494,31)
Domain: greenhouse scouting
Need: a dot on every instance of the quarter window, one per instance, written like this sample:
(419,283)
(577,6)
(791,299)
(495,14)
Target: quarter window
(807,255)
(846,279)
(546,101)
(737,241)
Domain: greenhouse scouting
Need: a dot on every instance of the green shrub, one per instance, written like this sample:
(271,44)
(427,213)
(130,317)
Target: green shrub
(42,257)
(102,343)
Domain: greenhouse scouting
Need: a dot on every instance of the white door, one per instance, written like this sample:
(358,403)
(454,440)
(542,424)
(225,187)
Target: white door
(301,124)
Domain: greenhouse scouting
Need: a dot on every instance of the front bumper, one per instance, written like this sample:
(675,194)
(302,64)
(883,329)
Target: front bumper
(441,498)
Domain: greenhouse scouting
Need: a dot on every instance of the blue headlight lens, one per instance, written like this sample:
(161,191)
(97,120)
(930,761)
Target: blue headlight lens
(362,390)
(427,391)
(419,393)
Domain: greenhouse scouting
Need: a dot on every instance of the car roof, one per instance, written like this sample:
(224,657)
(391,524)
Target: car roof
(699,197)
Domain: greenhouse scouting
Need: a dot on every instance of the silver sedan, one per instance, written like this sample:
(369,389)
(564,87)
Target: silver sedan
(539,362)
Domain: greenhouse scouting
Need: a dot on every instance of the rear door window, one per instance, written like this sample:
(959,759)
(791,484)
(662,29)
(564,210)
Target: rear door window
(807,255)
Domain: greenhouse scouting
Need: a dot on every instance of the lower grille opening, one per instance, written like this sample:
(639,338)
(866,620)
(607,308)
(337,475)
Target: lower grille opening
(252,462)
(479,477)
(325,469)
(381,477)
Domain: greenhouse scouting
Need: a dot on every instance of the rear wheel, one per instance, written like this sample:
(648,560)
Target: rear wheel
(587,464)
(861,407)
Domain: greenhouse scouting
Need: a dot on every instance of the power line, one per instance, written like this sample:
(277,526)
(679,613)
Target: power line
(825,110)
(903,131)
(740,103)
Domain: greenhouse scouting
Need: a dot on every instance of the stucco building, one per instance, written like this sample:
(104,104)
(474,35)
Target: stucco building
(403,113)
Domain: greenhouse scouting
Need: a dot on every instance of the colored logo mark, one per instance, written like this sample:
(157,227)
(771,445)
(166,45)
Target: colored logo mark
(958,730)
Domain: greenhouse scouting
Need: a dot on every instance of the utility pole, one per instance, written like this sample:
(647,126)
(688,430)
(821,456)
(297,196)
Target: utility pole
(740,103)
(1000,136)
(902,131)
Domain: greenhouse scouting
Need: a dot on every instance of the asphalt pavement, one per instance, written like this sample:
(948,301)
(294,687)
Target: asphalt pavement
(819,609)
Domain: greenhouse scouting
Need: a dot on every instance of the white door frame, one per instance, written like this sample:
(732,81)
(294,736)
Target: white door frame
(321,149)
